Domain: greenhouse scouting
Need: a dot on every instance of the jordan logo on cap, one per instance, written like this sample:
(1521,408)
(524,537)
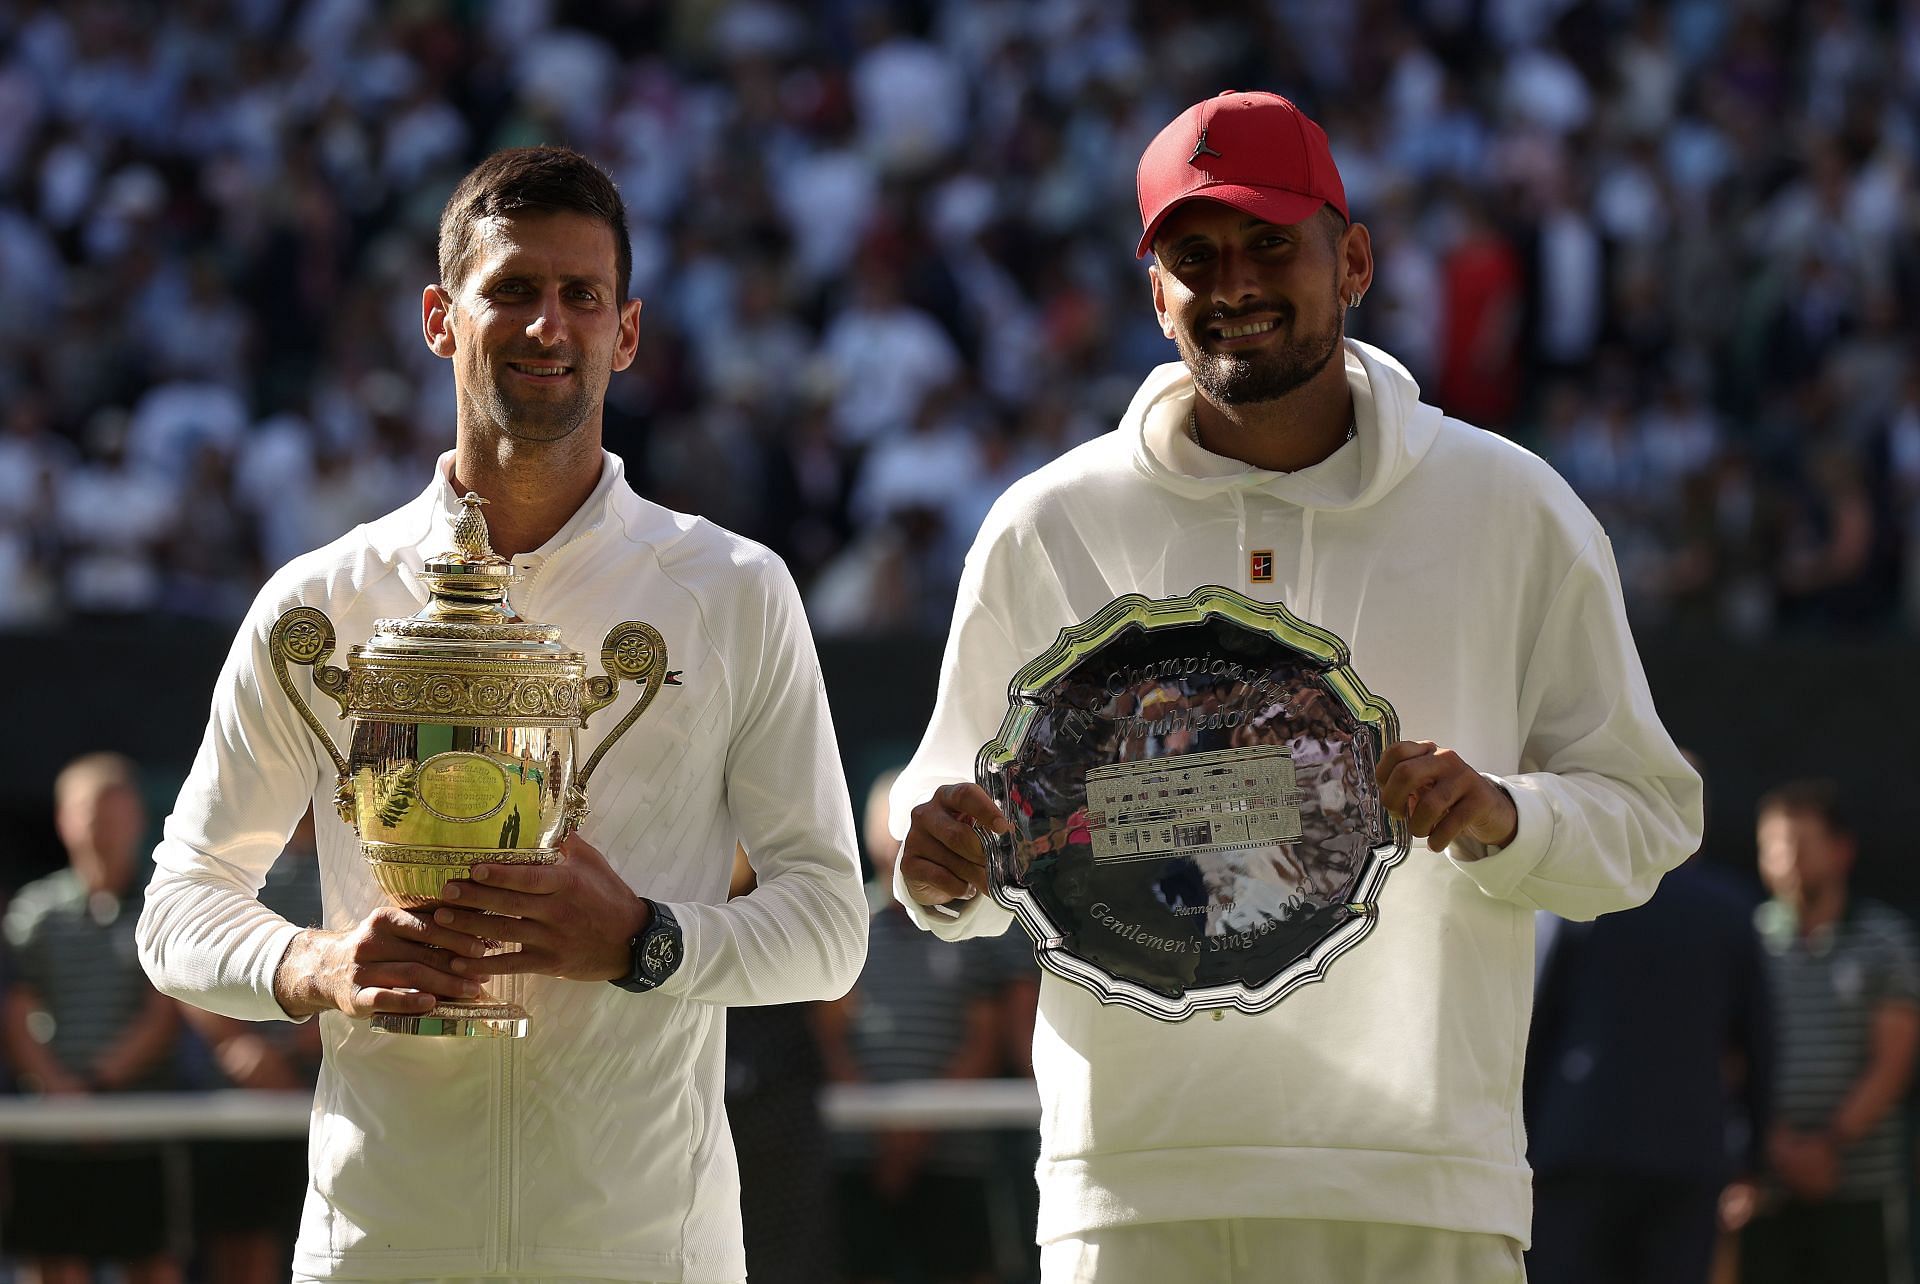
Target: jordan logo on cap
(1201,149)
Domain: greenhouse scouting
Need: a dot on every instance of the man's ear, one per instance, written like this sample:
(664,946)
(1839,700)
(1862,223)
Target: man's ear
(1356,249)
(1159,299)
(436,320)
(627,346)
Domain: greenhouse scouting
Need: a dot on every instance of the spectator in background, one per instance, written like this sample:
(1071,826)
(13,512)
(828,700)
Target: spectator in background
(1481,284)
(1652,1047)
(1846,985)
(81,1019)
(914,1205)
(205,209)
(247,1193)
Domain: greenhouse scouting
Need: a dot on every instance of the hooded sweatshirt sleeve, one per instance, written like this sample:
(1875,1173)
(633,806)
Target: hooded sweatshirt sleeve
(980,660)
(1607,804)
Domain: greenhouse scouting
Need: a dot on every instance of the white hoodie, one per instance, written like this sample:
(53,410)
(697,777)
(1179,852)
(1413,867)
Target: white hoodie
(1479,597)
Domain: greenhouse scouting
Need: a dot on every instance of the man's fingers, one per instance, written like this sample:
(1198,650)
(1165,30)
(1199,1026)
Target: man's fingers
(1399,752)
(941,858)
(964,798)
(946,830)
(1406,781)
(1450,827)
(509,963)
(369,999)
(496,927)
(406,987)
(493,900)
(417,976)
(1436,798)
(929,876)
(1442,797)
(397,933)
(534,880)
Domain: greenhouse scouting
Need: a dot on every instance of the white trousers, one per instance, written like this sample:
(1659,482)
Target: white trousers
(1281,1251)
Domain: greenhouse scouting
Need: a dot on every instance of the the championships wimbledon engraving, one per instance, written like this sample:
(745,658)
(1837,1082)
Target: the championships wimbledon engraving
(1195,818)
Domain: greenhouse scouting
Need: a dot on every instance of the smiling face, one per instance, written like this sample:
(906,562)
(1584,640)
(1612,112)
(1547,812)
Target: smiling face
(534,326)
(1256,309)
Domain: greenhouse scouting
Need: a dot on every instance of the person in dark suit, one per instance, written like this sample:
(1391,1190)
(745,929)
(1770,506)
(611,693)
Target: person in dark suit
(1648,1079)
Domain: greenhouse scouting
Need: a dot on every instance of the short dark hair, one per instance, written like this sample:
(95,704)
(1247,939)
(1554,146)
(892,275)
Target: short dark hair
(1333,224)
(541,180)
(1818,798)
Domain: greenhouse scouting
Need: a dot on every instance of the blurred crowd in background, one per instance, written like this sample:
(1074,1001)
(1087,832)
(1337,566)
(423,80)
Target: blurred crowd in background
(885,251)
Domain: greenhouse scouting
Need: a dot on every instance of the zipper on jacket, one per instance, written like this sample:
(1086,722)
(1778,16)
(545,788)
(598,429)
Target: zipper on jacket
(523,583)
(504,1166)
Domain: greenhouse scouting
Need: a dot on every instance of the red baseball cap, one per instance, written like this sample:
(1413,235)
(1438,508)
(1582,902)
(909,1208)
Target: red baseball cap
(1254,151)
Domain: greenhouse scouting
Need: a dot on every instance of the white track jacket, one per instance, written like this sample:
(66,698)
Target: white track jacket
(1479,597)
(597,1146)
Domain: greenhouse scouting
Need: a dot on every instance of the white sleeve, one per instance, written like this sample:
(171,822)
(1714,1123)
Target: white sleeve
(980,661)
(204,936)
(1607,805)
(801,934)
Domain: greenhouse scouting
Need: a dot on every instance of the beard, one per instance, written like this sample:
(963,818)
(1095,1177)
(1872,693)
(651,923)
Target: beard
(1239,378)
(526,416)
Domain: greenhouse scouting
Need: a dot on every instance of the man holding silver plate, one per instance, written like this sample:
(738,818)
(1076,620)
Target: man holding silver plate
(522,981)
(1273,717)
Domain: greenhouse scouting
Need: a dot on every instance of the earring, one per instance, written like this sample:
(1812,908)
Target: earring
(1353,300)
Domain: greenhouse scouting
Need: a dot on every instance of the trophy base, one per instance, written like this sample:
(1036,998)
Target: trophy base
(458,1021)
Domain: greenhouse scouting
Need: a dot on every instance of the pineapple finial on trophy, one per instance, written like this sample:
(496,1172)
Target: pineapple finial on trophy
(470,531)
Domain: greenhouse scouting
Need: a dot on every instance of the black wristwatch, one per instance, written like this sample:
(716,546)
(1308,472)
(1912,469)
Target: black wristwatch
(655,954)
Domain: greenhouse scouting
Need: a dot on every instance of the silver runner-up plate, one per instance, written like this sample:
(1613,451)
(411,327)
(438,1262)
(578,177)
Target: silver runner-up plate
(1195,819)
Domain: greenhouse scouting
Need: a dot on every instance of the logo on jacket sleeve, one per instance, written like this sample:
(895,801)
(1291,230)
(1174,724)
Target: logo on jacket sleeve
(1260,566)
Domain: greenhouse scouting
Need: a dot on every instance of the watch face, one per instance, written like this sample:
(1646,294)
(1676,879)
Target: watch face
(659,954)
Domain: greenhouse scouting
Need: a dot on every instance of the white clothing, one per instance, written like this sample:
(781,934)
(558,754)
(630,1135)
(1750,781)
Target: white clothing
(597,1145)
(1479,598)
(884,362)
(1275,1251)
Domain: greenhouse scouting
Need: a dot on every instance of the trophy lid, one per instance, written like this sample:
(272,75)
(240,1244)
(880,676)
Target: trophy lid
(471,563)
(467,602)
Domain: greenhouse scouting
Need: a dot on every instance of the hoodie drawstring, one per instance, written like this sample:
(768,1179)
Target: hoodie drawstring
(1239,522)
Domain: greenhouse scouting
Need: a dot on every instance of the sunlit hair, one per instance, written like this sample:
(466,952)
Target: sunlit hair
(1818,798)
(531,180)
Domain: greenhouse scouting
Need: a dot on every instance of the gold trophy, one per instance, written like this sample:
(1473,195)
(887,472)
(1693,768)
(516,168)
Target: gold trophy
(461,750)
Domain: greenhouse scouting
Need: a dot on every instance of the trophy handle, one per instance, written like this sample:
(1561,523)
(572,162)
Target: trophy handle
(304,635)
(637,653)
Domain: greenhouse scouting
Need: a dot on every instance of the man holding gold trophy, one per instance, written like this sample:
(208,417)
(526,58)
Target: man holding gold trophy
(528,948)
(1283,623)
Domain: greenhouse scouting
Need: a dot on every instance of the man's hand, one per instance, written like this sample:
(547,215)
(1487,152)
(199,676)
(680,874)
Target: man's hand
(393,960)
(1738,1203)
(898,1158)
(251,1062)
(941,860)
(572,920)
(1807,1163)
(1442,798)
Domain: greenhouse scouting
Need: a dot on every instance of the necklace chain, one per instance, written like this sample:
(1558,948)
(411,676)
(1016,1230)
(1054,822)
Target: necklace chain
(1193,428)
